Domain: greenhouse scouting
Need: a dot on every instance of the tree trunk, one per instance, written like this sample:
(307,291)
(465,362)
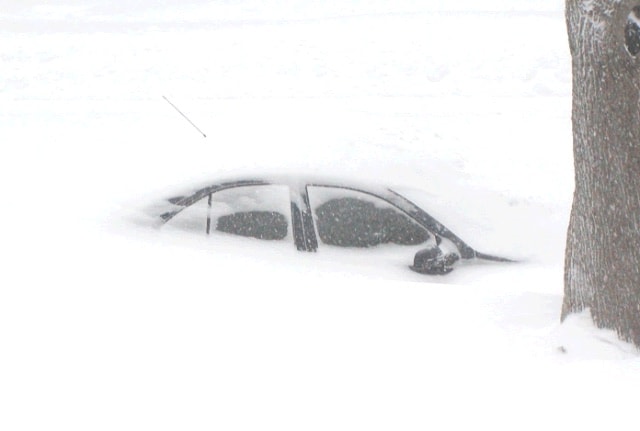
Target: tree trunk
(602,267)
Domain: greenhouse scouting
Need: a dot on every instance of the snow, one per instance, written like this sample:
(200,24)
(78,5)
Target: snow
(107,322)
(633,18)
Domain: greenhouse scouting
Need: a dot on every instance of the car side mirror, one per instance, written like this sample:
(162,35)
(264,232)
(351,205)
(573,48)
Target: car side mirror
(433,261)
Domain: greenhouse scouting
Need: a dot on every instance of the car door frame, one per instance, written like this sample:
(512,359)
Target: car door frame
(303,227)
(394,199)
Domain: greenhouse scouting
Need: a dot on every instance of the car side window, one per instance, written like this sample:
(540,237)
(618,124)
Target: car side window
(349,218)
(262,212)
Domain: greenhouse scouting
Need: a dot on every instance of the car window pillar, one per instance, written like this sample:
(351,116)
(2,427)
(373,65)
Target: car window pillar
(304,233)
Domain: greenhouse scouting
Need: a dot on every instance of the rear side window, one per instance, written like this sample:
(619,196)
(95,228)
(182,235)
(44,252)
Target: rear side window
(261,212)
(348,218)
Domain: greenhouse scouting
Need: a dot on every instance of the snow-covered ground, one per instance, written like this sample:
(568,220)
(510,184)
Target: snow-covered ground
(109,323)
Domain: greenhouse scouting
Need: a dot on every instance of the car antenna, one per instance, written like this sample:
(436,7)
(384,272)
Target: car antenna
(185,117)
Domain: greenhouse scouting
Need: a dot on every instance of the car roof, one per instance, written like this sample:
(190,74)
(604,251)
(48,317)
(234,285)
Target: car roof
(189,196)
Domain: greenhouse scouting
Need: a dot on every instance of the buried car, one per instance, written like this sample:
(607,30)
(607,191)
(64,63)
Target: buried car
(320,213)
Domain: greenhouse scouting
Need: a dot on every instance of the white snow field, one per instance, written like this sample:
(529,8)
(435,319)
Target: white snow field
(109,323)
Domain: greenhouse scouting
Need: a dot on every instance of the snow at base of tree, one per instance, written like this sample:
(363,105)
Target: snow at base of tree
(578,337)
(107,322)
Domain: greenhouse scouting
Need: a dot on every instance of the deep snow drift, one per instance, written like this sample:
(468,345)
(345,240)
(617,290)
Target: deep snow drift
(109,323)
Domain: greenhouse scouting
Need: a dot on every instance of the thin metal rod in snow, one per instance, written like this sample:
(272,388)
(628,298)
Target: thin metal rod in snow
(185,117)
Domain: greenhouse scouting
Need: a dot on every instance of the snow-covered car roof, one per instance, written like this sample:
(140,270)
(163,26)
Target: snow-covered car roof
(304,232)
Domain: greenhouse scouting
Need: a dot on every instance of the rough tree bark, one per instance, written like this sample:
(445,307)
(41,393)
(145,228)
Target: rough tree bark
(602,267)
